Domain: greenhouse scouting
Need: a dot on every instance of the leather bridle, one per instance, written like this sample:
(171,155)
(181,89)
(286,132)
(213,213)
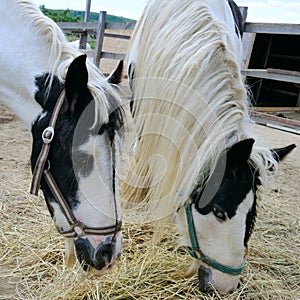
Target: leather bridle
(77,228)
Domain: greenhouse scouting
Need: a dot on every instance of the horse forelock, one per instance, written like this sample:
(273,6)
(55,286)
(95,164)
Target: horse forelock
(196,69)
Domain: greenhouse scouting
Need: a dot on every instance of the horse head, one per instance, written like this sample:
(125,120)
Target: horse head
(75,157)
(218,221)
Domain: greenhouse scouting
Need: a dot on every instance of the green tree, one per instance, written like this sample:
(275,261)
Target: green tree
(59,15)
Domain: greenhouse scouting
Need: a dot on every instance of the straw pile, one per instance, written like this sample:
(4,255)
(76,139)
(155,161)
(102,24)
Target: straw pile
(32,266)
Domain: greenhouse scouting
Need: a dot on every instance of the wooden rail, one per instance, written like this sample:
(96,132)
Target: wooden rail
(273,28)
(273,74)
(98,29)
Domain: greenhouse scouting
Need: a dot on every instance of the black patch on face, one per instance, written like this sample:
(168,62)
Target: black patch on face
(250,221)
(238,178)
(234,187)
(60,155)
(42,95)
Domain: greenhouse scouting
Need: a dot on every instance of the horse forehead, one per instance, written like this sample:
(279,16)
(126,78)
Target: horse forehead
(235,188)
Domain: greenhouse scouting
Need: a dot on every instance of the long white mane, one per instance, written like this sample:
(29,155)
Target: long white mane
(190,102)
(39,46)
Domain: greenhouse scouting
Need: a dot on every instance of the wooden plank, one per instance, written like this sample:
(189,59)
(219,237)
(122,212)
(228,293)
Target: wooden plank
(275,119)
(80,31)
(274,109)
(109,55)
(272,28)
(120,25)
(248,43)
(263,73)
(100,37)
(117,36)
(283,128)
(78,25)
(94,25)
(283,72)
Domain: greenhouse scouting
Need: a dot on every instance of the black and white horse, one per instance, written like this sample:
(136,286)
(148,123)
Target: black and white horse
(73,113)
(196,156)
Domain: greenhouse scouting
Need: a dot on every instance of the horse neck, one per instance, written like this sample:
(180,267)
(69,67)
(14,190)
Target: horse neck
(24,56)
(209,87)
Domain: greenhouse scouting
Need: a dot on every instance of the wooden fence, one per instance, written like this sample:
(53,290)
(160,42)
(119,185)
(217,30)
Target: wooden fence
(98,29)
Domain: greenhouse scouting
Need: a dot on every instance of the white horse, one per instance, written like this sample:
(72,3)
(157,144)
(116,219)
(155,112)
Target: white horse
(75,119)
(195,156)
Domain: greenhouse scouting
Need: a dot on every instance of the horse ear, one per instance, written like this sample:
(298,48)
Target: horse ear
(240,151)
(76,83)
(280,153)
(116,76)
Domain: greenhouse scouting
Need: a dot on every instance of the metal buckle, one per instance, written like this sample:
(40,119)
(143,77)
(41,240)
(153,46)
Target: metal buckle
(78,229)
(48,135)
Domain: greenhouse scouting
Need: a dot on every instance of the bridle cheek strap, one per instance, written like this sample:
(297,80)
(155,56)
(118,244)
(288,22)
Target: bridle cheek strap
(47,137)
(196,252)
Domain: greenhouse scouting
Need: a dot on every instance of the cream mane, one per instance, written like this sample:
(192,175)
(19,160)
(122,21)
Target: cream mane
(193,104)
(61,53)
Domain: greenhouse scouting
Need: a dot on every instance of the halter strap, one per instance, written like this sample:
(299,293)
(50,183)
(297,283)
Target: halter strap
(77,228)
(47,137)
(196,252)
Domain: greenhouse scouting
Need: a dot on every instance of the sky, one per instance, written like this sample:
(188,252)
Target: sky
(268,11)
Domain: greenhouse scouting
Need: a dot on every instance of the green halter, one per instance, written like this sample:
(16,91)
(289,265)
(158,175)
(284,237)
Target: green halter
(195,251)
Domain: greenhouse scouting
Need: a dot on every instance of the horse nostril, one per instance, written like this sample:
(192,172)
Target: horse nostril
(103,255)
(84,251)
(205,279)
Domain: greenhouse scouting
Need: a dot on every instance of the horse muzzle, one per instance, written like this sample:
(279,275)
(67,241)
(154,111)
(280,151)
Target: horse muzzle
(210,280)
(98,253)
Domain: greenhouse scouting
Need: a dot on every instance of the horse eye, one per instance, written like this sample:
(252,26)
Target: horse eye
(219,213)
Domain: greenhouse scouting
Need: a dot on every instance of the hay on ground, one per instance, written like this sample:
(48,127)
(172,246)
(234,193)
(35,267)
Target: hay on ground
(31,261)
(32,257)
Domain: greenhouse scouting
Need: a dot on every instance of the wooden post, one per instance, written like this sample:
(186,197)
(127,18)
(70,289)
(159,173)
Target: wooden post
(100,37)
(83,37)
